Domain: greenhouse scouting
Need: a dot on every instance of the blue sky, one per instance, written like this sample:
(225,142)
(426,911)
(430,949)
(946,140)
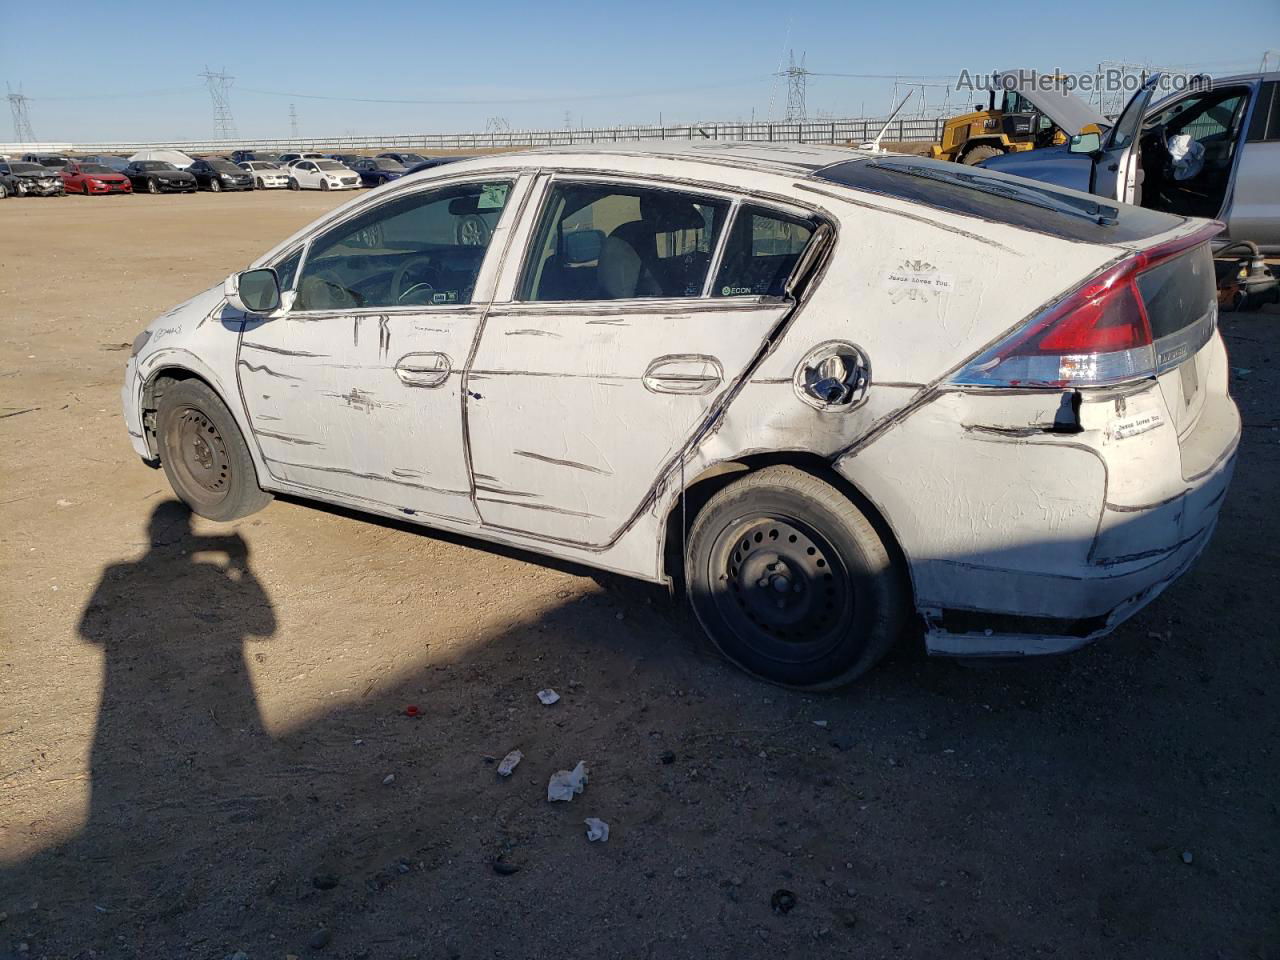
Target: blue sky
(127,71)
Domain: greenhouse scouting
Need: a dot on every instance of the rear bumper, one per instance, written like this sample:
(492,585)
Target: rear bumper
(1021,540)
(1101,599)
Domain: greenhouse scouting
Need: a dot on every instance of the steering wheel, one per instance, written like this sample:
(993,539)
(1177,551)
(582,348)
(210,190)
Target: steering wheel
(398,289)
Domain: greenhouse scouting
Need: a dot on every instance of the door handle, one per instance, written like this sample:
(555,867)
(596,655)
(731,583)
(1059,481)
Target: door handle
(690,373)
(423,369)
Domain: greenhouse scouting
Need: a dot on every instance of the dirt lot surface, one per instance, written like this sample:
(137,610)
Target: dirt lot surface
(204,750)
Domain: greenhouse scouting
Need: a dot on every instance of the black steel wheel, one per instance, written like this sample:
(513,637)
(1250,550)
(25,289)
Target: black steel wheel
(204,454)
(791,581)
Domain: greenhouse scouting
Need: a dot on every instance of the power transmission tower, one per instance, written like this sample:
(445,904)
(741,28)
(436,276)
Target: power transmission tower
(293,121)
(219,84)
(797,80)
(21,118)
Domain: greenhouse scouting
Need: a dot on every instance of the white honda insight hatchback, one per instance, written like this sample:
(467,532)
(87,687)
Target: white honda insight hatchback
(827,392)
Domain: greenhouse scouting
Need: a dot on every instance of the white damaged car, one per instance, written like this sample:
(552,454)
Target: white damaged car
(322,175)
(829,393)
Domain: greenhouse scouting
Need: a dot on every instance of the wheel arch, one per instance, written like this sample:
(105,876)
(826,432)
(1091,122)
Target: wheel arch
(172,371)
(683,509)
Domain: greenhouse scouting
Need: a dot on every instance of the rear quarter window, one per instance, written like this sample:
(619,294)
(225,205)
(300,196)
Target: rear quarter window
(760,253)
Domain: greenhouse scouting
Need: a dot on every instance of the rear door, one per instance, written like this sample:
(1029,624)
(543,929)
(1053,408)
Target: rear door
(1254,211)
(616,344)
(1117,169)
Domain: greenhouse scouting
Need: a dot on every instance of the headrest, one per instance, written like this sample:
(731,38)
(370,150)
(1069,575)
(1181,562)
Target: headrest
(669,214)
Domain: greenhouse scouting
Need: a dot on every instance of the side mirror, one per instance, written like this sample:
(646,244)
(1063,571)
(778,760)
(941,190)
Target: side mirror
(1085,143)
(253,291)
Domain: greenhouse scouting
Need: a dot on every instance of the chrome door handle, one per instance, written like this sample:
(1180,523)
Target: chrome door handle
(424,369)
(689,373)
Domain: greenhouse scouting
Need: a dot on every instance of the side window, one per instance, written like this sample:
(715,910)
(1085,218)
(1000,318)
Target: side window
(615,242)
(760,253)
(287,269)
(1265,123)
(423,249)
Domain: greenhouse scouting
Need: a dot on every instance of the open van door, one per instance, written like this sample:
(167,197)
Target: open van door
(1117,166)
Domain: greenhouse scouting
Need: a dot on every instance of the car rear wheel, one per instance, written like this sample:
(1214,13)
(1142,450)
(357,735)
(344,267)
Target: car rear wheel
(792,582)
(153,185)
(214,185)
(979,153)
(204,454)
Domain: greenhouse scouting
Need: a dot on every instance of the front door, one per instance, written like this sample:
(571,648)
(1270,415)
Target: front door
(356,392)
(1118,166)
(616,349)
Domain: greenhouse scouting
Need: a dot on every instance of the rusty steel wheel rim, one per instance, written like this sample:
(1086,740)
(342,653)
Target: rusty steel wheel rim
(782,587)
(200,455)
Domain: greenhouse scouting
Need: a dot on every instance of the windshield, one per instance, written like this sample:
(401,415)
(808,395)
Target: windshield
(225,166)
(94,168)
(386,163)
(263,165)
(54,161)
(155,165)
(329,165)
(413,157)
(26,168)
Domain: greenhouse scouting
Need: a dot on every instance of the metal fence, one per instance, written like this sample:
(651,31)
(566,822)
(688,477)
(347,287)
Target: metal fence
(814,131)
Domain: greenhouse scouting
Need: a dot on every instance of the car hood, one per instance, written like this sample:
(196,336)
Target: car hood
(1064,108)
(33,175)
(168,174)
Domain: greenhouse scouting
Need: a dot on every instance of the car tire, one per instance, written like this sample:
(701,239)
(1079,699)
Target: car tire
(153,185)
(975,155)
(792,582)
(472,231)
(214,186)
(204,454)
(324,186)
(259,184)
(294,185)
(4,191)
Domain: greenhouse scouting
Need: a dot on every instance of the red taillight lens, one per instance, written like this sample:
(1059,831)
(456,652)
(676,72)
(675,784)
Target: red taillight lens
(1099,333)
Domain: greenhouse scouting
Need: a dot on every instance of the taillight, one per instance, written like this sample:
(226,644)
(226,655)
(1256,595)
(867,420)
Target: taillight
(1097,334)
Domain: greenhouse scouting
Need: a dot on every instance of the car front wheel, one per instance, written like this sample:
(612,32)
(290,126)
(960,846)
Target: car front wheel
(792,582)
(293,184)
(214,186)
(204,454)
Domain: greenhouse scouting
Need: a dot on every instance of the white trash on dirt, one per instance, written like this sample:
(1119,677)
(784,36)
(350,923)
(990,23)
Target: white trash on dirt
(509,762)
(565,784)
(596,829)
(548,696)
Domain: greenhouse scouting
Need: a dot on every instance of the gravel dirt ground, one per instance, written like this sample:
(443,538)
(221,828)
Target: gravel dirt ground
(205,752)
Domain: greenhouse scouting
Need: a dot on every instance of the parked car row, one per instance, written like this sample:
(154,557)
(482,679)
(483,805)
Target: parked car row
(171,171)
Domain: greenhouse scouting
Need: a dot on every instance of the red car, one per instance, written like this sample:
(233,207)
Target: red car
(91,178)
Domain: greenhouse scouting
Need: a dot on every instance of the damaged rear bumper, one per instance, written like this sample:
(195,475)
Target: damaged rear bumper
(964,633)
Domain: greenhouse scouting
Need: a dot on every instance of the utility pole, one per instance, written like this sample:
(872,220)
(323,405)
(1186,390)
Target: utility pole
(797,80)
(219,84)
(21,118)
(293,121)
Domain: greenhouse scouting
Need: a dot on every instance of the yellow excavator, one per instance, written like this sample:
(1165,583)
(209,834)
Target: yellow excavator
(1011,123)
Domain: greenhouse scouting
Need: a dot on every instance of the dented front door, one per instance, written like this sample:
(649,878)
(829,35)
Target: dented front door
(363,405)
(356,393)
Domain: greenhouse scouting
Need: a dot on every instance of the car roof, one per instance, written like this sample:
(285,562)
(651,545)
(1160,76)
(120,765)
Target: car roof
(788,159)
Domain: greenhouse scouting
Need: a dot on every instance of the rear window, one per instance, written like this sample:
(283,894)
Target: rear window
(1014,201)
(1179,292)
